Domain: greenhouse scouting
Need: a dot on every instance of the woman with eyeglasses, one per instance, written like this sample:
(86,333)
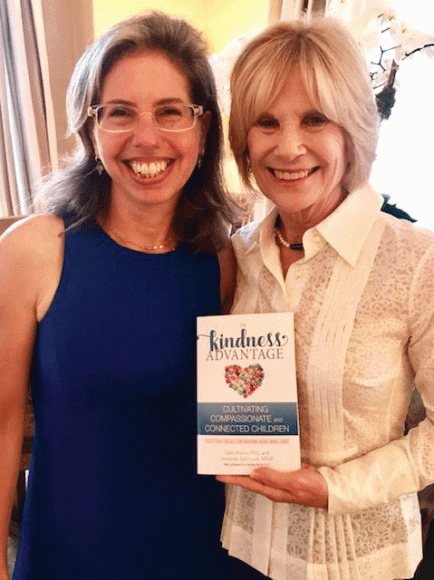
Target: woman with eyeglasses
(98,304)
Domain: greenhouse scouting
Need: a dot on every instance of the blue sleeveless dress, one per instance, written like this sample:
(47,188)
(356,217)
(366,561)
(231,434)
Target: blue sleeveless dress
(113,492)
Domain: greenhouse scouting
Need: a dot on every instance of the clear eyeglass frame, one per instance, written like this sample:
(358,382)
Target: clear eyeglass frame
(93,111)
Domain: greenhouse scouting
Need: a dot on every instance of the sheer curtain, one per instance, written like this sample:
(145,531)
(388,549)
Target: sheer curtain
(27,129)
(295,8)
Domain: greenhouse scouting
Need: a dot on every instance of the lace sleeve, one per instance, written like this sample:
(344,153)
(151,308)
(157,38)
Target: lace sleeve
(407,464)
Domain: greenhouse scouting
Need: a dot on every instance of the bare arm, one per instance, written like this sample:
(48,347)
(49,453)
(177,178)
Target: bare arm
(228,274)
(25,260)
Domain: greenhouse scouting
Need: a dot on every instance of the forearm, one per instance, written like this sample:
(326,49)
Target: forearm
(405,465)
(383,475)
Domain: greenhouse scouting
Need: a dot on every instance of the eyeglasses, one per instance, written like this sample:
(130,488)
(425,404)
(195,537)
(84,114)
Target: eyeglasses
(117,118)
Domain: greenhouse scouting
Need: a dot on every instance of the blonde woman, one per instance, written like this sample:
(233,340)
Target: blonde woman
(304,126)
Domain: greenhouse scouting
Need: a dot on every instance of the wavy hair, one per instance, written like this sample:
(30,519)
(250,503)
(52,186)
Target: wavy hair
(203,210)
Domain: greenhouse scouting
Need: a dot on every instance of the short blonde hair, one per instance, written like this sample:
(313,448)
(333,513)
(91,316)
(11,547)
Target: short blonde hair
(336,80)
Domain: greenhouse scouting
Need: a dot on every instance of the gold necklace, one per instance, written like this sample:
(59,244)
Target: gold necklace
(169,246)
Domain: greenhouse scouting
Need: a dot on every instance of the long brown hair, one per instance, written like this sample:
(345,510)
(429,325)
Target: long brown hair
(204,211)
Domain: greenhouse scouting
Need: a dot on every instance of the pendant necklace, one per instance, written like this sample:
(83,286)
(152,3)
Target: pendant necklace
(168,246)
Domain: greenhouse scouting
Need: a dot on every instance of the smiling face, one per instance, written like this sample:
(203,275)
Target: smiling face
(297,155)
(148,166)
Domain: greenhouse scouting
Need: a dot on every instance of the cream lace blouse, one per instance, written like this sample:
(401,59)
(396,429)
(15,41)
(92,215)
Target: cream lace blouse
(363,300)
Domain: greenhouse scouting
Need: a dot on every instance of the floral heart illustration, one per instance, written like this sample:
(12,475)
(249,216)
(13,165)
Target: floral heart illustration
(244,380)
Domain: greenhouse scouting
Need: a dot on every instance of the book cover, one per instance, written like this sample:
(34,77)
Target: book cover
(247,394)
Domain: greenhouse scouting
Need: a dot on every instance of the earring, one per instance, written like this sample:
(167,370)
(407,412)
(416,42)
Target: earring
(199,161)
(99,166)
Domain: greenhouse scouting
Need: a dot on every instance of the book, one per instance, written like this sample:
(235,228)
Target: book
(247,414)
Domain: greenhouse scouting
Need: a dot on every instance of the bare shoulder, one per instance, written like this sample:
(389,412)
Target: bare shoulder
(31,253)
(32,239)
(32,229)
(228,271)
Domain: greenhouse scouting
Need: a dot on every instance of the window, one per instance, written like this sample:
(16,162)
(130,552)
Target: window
(406,149)
(405,154)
